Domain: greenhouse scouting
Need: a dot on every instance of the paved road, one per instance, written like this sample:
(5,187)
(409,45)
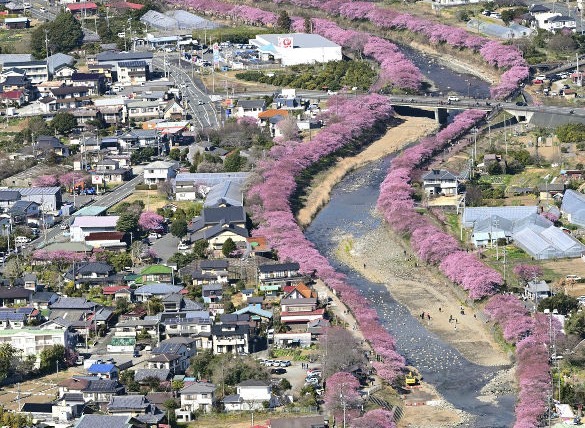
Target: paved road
(165,247)
(204,113)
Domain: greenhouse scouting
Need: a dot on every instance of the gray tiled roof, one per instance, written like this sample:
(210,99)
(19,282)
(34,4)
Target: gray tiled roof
(141,374)
(134,402)
(198,387)
(104,421)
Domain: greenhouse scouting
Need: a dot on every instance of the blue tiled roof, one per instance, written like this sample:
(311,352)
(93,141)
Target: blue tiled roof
(101,368)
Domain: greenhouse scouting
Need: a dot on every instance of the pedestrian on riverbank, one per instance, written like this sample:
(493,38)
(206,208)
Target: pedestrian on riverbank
(450,318)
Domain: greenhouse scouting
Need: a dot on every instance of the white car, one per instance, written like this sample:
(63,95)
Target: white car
(183,246)
(154,235)
(452,98)
(573,278)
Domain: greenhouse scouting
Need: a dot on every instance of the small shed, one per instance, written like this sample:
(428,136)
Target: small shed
(16,23)
(536,290)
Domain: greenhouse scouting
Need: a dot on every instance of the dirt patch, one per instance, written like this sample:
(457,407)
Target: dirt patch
(388,261)
(394,139)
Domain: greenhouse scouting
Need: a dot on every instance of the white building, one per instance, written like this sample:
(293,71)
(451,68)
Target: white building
(297,48)
(251,395)
(31,341)
(198,396)
(159,171)
(554,21)
(82,226)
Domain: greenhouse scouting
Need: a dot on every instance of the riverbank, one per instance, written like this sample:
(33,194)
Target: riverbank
(395,138)
(383,257)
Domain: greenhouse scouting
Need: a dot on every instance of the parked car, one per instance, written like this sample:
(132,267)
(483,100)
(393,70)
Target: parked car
(452,98)
(21,240)
(183,246)
(573,278)
(64,226)
(154,235)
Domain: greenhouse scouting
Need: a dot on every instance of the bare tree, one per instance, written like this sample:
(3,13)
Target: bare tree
(340,350)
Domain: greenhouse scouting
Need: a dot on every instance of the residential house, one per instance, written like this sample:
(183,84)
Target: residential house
(273,277)
(212,293)
(82,226)
(112,115)
(36,71)
(536,290)
(193,186)
(113,58)
(48,143)
(21,211)
(112,241)
(44,299)
(440,182)
(68,97)
(103,371)
(298,291)
(216,225)
(86,118)
(174,303)
(226,194)
(197,397)
(82,10)
(143,375)
(551,191)
(130,405)
(196,326)
(293,339)
(118,292)
(64,72)
(554,22)
(173,110)
(94,82)
(148,291)
(250,108)
(140,137)
(33,340)
(100,391)
(489,231)
(13,98)
(230,338)
(10,296)
(159,171)
(12,319)
(256,314)
(134,72)
(8,198)
(131,328)
(108,421)
(215,268)
(155,273)
(299,311)
(93,273)
(31,282)
(141,111)
(251,395)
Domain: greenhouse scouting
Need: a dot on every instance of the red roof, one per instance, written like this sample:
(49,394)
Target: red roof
(12,95)
(114,289)
(125,5)
(81,6)
(105,236)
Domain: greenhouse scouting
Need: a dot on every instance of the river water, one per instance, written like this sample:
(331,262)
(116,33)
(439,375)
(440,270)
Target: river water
(351,210)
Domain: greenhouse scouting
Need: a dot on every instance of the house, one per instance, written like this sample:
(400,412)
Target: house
(536,290)
(93,273)
(16,23)
(554,22)
(550,191)
(488,231)
(36,71)
(103,371)
(131,328)
(118,292)
(155,273)
(440,182)
(33,340)
(82,10)
(148,291)
(113,58)
(193,186)
(95,82)
(48,143)
(273,277)
(216,225)
(298,291)
(30,281)
(178,303)
(11,319)
(130,405)
(226,194)
(82,226)
(196,326)
(159,171)
(256,313)
(141,111)
(300,311)
(250,108)
(44,299)
(230,338)
(112,241)
(143,375)
(197,396)
(293,339)
(8,198)
(13,98)
(10,296)
(251,395)
(134,72)
(20,211)
(58,60)
(212,293)
(173,111)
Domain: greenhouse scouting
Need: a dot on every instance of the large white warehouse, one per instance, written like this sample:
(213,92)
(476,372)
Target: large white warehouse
(297,48)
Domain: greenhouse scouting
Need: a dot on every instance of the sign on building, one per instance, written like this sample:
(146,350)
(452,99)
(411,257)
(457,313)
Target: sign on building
(285,42)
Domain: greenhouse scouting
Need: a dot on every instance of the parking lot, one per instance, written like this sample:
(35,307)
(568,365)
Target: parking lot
(294,373)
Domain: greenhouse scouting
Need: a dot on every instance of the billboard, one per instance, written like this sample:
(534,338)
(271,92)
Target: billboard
(285,42)
(215,54)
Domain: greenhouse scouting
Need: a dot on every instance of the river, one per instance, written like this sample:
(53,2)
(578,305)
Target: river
(351,211)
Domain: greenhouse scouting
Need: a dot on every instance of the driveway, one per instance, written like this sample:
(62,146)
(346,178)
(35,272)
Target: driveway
(165,247)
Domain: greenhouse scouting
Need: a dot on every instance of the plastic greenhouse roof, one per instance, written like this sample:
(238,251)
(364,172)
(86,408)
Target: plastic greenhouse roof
(532,242)
(472,214)
(560,239)
(158,20)
(572,202)
(187,20)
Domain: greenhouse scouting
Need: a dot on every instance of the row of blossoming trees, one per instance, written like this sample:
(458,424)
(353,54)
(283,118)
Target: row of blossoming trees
(353,120)
(436,247)
(504,57)
(396,69)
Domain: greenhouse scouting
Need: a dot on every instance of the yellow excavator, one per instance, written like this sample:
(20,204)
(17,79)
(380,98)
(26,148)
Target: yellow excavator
(410,379)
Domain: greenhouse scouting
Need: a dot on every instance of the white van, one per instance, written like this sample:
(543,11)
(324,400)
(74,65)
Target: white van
(21,240)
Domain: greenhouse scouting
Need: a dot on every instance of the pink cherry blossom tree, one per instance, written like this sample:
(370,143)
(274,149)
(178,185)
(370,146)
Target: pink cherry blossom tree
(150,221)
(528,272)
(45,181)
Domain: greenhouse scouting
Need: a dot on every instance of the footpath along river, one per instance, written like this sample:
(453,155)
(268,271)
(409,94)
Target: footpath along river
(351,211)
